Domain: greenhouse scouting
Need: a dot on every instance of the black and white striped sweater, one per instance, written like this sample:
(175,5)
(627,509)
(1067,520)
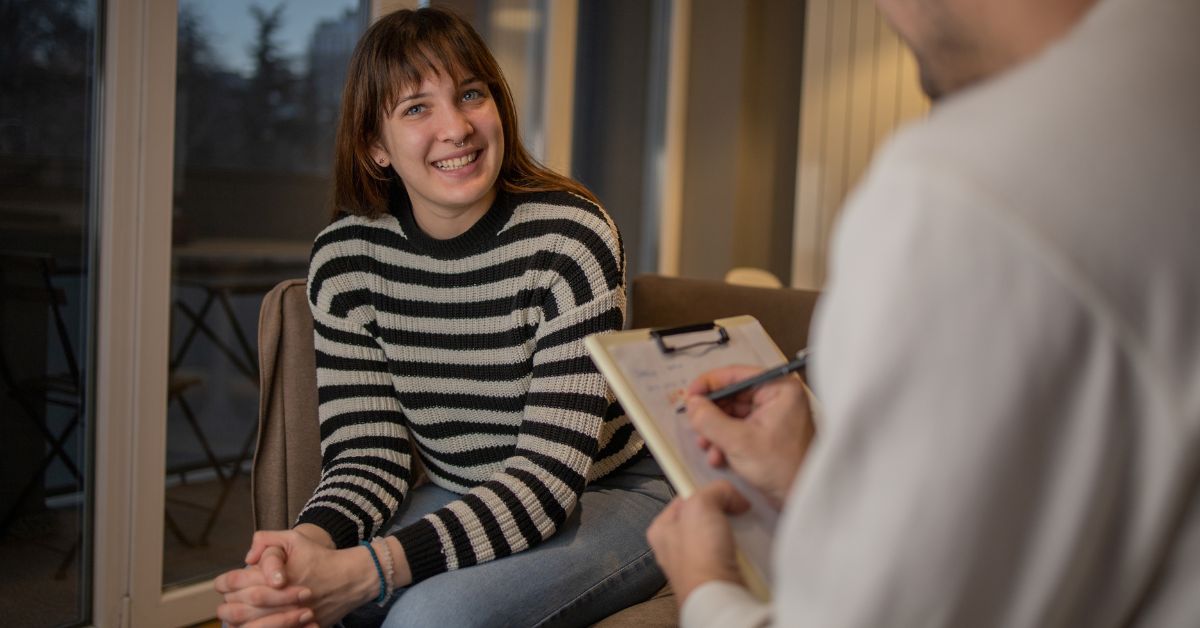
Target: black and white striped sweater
(473,348)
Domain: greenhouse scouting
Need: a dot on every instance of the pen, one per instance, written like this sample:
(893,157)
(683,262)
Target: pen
(779,371)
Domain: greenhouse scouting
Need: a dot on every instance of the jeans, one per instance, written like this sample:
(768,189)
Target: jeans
(597,563)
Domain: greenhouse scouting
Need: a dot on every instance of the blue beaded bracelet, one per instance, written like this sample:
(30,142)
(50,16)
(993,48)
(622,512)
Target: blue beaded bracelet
(378,570)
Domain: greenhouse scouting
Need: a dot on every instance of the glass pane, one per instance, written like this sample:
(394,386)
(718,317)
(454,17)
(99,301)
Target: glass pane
(258,90)
(48,57)
(620,116)
(515,32)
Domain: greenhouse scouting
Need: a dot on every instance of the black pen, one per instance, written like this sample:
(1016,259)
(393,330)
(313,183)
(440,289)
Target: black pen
(779,371)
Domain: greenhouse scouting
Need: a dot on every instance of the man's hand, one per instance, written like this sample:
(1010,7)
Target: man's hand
(761,433)
(692,540)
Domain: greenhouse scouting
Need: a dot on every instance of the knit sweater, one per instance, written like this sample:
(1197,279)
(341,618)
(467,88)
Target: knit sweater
(472,349)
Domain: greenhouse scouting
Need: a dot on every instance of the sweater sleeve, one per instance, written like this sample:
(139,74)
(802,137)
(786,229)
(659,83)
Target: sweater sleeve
(566,406)
(364,443)
(720,604)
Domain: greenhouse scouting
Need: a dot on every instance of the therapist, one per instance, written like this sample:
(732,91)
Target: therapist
(1007,351)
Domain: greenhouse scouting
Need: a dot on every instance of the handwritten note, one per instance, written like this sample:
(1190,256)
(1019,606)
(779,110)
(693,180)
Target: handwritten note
(660,380)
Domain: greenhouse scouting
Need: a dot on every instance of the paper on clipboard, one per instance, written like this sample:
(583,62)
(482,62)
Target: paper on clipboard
(650,384)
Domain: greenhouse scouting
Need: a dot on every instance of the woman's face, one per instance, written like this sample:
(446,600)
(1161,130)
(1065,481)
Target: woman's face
(446,142)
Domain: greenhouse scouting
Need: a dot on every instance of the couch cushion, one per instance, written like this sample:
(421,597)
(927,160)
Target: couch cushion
(785,313)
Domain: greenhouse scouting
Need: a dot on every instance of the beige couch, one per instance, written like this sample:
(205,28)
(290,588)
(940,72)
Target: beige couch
(287,461)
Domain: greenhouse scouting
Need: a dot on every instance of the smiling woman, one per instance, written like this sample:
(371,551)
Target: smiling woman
(445,142)
(451,295)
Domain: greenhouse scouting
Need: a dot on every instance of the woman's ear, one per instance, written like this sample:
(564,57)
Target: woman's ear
(379,155)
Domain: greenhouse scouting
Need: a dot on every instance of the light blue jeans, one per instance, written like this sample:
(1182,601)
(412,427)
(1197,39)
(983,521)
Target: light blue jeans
(596,564)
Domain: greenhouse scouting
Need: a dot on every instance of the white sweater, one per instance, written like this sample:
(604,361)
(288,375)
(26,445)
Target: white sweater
(1008,356)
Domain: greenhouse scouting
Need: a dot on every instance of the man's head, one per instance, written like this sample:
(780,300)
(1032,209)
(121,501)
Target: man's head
(960,42)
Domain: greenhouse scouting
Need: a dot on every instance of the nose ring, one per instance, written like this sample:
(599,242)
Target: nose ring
(459,144)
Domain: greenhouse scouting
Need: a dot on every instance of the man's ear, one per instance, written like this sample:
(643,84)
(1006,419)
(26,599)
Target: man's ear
(379,155)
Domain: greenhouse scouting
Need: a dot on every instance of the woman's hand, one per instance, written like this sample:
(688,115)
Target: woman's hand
(251,602)
(260,590)
(337,582)
(271,559)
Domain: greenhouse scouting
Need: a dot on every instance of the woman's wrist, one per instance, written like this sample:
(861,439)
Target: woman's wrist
(366,577)
(402,572)
(316,534)
(385,570)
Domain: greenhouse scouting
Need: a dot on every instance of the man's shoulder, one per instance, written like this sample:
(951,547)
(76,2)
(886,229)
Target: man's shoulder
(1108,99)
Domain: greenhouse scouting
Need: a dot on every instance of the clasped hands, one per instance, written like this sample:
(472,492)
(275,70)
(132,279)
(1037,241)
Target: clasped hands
(295,578)
(762,435)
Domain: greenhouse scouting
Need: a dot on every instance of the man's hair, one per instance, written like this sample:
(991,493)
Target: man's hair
(395,55)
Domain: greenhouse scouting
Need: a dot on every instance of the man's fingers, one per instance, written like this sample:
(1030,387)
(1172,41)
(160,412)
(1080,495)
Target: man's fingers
(720,378)
(714,425)
(724,497)
(740,406)
(665,519)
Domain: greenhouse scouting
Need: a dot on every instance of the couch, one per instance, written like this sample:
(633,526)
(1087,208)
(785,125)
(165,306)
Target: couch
(287,459)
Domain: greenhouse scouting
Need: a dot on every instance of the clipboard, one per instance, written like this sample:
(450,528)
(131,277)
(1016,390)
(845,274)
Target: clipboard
(649,370)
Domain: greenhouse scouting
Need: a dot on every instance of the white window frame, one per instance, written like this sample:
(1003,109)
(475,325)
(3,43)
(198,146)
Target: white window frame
(133,314)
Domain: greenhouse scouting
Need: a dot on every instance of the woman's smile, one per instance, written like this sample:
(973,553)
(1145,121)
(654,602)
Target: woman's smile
(452,164)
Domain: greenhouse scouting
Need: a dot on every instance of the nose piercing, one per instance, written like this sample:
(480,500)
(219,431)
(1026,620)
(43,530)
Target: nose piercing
(459,144)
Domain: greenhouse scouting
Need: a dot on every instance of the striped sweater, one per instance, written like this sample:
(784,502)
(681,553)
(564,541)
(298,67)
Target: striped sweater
(472,348)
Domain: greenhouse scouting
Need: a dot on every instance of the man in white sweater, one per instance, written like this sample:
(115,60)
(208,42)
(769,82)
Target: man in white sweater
(1007,352)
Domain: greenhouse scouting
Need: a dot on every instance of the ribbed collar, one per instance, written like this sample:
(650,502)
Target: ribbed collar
(480,237)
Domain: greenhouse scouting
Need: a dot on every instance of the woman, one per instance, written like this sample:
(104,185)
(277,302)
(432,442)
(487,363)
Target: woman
(451,296)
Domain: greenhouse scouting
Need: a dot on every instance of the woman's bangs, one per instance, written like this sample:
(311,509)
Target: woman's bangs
(404,73)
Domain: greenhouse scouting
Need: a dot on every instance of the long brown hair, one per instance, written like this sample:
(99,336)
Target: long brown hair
(395,53)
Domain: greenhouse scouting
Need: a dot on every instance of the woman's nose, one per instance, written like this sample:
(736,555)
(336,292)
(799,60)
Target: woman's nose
(455,127)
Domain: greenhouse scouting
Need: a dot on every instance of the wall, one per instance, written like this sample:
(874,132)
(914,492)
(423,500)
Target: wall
(742,103)
(766,184)
(614,128)
(714,105)
(860,84)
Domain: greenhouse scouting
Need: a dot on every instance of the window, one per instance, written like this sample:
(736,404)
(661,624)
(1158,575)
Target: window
(48,67)
(258,87)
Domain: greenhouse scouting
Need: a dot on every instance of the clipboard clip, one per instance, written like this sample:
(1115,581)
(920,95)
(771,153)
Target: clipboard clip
(660,335)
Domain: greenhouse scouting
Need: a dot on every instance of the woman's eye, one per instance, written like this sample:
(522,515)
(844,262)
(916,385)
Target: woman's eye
(414,110)
(472,94)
